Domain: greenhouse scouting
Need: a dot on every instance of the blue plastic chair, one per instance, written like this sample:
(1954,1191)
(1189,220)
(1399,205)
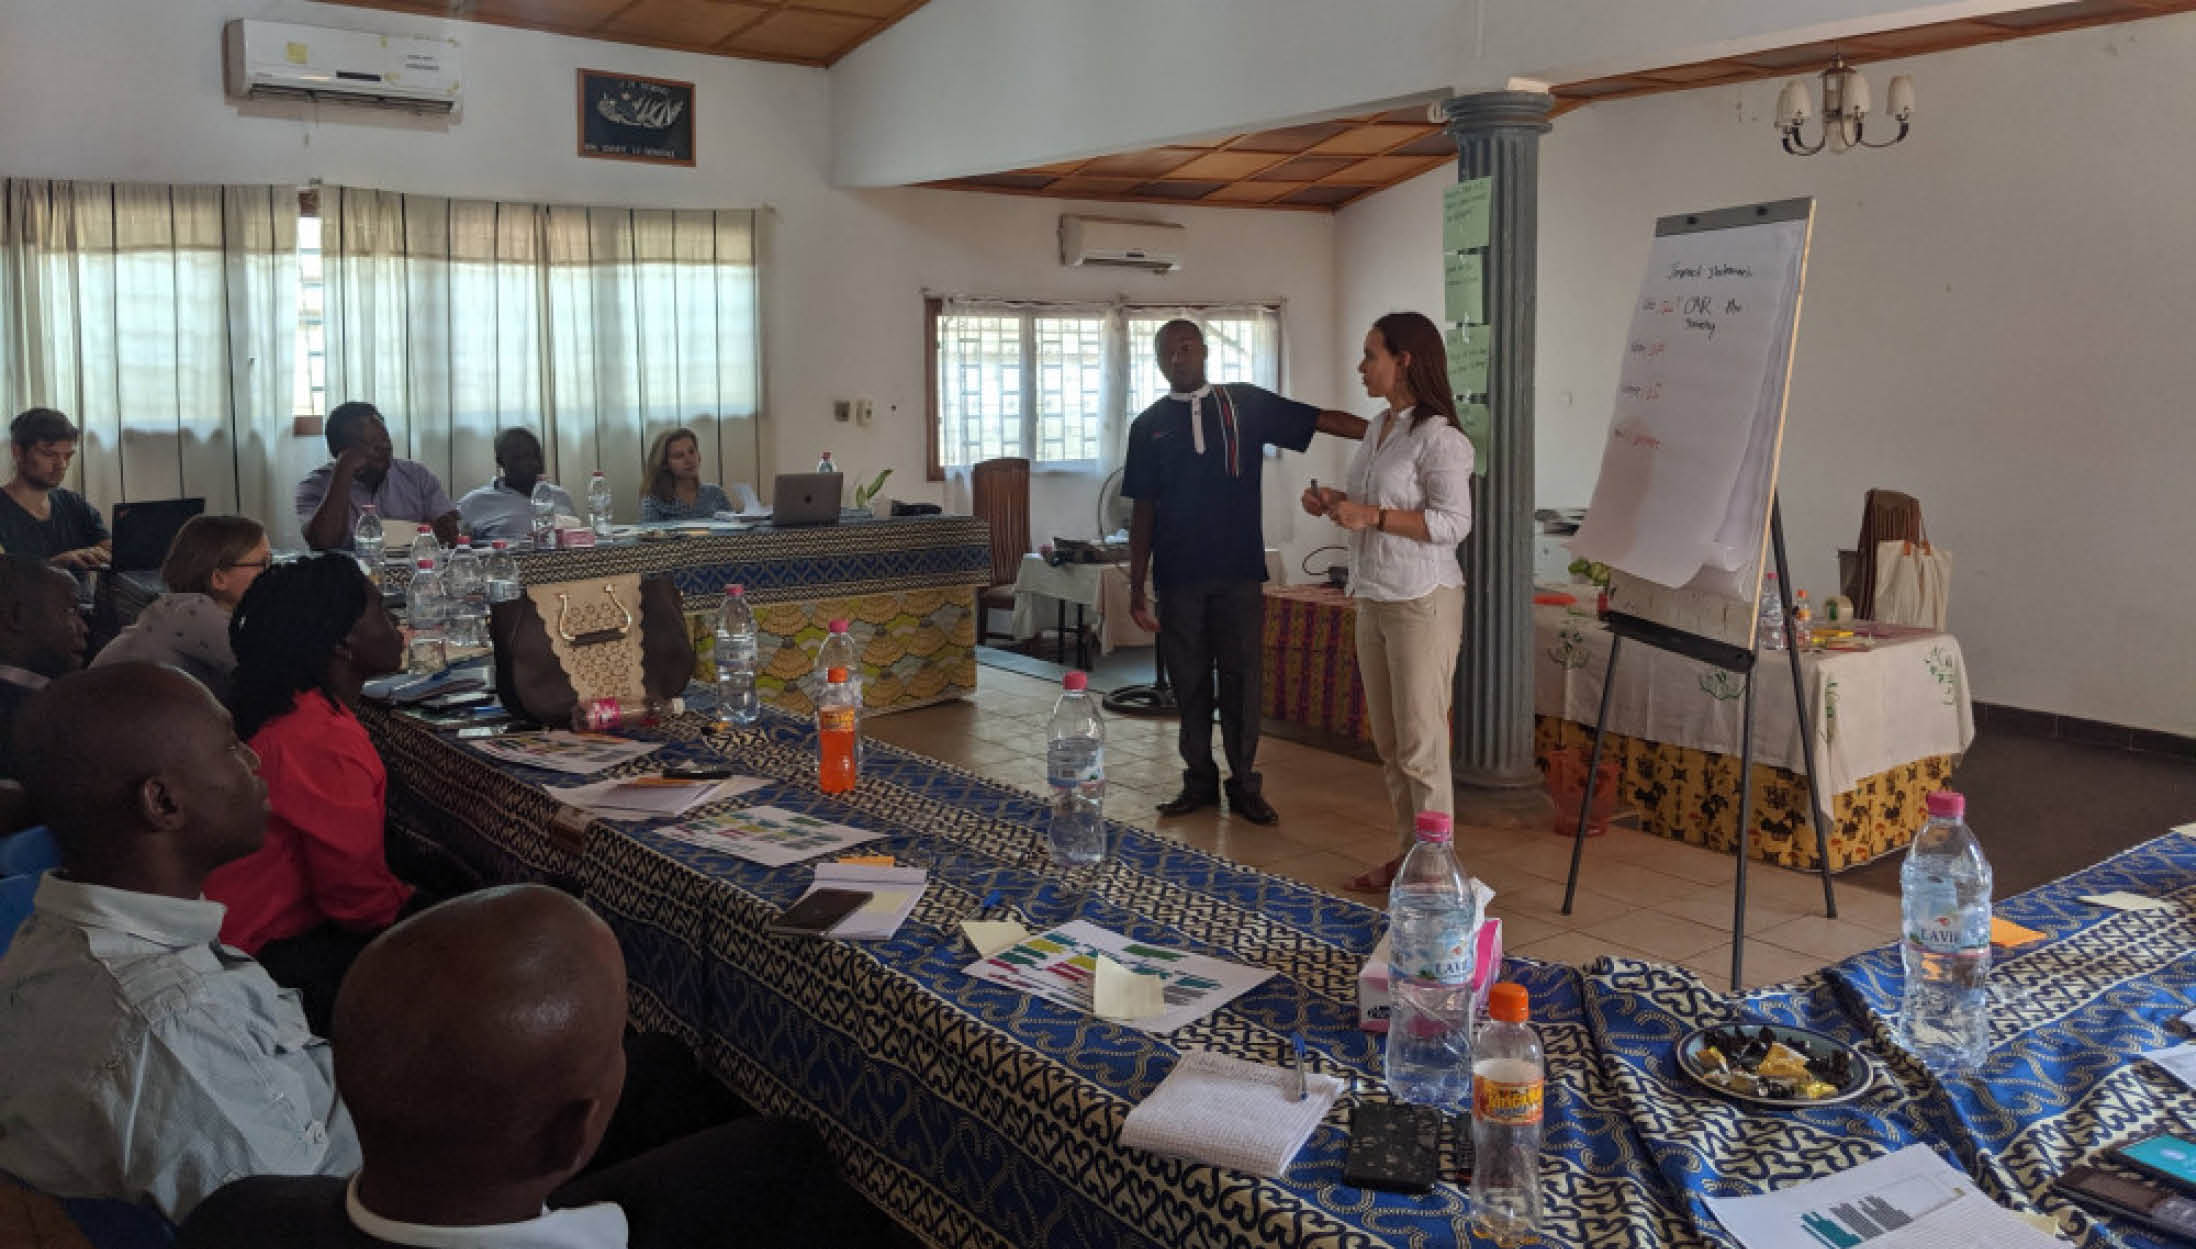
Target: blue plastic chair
(29,852)
(16,893)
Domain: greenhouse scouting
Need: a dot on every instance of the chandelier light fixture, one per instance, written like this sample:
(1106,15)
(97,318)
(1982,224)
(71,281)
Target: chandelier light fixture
(1844,110)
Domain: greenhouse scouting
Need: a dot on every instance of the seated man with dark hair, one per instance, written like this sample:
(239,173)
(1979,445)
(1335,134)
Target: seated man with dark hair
(480,1046)
(42,636)
(146,1061)
(365,470)
(504,508)
(38,516)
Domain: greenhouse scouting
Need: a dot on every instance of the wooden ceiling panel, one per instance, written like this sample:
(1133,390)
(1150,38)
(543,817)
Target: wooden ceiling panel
(1149,163)
(1289,138)
(1252,192)
(809,32)
(684,21)
(1385,170)
(1304,169)
(1369,140)
(800,35)
(1172,190)
(1228,165)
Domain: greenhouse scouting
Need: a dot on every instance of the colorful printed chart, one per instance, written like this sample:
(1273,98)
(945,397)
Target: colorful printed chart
(767,835)
(1062,966)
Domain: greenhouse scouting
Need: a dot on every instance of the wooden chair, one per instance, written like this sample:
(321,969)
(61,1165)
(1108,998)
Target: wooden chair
(1000,495)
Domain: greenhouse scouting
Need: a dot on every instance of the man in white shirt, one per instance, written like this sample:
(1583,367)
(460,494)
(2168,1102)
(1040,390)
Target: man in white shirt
(480,1046)
(145,1060)
(504,508)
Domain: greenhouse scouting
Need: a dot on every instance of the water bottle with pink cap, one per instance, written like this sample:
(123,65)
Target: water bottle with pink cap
(1944,905)
(1432,922)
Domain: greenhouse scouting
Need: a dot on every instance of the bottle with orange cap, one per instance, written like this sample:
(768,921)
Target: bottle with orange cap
(837,722)
(1509,1076)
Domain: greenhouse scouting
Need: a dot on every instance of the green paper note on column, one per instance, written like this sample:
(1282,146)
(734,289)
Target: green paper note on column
(1461,279)
(1464,211)
(1468,361)
(1475,420)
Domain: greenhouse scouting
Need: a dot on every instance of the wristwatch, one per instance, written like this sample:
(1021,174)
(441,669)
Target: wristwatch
(1382,523)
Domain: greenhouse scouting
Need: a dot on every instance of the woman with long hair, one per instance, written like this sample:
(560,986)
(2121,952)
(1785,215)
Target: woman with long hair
(671,484)
(211,563)
(1406,506)
(308,636)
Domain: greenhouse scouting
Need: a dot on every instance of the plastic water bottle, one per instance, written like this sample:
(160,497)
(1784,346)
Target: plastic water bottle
(598,504)
(1509,1078)
(544,503)
(465,581)
(1769,635)
(604,715)
(366,539)
(1075,766)
(737,702)
(1432,923)
(426,615)
(825,465)
(504,584)
(424,547)
(1944,919)
(838,727)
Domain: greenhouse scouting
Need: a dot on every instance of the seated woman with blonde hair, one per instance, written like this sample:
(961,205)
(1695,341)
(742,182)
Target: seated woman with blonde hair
(212,561)
(672,487)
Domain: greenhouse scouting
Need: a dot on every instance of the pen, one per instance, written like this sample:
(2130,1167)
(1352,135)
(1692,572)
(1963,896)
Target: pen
(990,900)
(1296,1039)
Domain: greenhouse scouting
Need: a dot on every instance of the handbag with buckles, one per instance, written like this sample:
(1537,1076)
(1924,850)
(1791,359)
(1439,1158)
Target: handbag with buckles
(563,643)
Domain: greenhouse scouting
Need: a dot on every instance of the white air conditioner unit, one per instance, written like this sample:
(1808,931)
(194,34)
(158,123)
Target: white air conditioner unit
(279,60)
(1153,245)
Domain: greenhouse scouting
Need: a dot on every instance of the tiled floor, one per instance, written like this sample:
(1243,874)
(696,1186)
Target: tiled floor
(1640,896)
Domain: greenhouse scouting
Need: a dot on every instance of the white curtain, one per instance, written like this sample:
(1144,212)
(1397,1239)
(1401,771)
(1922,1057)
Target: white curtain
(156,318)
(596,328)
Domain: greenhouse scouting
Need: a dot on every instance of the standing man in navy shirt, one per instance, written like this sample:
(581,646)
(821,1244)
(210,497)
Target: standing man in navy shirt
(1193,468)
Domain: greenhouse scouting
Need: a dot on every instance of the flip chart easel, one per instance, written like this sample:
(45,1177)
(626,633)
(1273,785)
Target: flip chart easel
(1685,512)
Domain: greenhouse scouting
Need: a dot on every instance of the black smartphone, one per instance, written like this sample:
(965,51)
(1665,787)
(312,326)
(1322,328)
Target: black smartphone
(2147,1204)
(2165,1157)
(1393,1147)
(819,912)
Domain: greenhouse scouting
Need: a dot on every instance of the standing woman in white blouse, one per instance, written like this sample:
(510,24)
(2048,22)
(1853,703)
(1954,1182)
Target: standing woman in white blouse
(1407,505)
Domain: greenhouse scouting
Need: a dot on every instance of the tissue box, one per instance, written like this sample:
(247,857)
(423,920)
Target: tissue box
(1372,982)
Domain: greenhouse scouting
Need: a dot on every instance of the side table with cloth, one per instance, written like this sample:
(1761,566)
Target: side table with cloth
(1100,587)
(1310,675)
(975,1114)
(1889,724)
(907,586)
(2060,1082)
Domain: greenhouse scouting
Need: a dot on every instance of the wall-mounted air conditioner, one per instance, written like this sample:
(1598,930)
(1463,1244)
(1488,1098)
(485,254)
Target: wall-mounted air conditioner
(1153,245)
(282,61)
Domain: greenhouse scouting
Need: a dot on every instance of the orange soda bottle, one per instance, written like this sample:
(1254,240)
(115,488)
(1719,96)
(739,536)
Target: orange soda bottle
(836,719)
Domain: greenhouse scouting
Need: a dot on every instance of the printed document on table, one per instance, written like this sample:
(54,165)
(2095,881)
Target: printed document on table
(767,835)
(1061,966)
(650,797)
(580,754)
(1908,1200)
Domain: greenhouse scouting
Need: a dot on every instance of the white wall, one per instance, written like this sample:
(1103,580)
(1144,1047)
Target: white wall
(976,86)
(1995,321)
(131,89)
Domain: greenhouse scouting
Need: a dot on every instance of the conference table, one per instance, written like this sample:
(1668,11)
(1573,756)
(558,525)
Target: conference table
(979,1116)
(906,586)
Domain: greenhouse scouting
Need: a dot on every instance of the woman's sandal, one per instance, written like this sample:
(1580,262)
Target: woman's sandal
(1377,879)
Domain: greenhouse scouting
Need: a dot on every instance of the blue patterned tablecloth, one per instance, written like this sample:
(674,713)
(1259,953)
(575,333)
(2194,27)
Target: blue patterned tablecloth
(2069,1015)
(979,1116)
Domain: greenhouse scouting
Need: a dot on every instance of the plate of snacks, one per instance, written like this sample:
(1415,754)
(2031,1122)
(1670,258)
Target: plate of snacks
(1774,1065)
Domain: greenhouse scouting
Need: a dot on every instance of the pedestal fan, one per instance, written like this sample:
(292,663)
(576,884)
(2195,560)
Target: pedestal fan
(1115,513)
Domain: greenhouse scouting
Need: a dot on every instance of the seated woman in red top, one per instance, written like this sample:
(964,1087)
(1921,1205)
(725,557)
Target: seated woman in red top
(307,636)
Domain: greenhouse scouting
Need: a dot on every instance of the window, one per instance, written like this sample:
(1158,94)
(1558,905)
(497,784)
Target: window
(311,393)
(1057,384)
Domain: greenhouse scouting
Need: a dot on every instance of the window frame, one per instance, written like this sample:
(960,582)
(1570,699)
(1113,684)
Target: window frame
(1031,310)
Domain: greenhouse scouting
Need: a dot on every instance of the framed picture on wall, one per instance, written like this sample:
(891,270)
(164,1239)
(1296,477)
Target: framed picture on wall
(626,117)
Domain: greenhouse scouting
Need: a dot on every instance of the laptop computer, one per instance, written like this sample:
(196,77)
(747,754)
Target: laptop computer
(806,499)
(145,529)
